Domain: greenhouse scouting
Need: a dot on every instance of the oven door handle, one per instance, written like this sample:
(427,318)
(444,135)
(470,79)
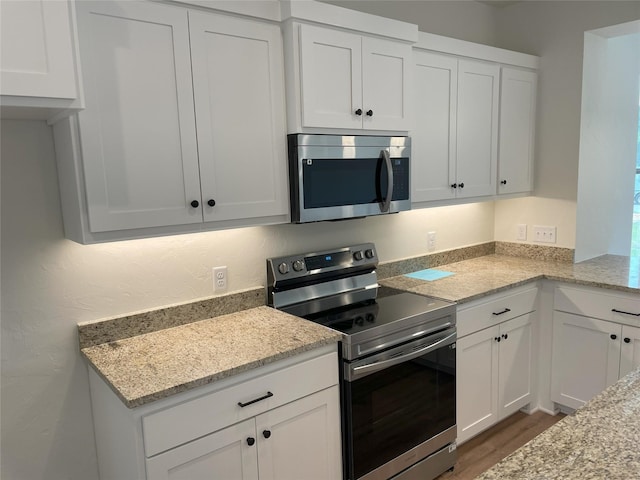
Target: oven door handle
(387,162)
(363,370)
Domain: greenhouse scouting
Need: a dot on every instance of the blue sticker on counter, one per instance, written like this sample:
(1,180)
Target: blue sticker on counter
(429,275)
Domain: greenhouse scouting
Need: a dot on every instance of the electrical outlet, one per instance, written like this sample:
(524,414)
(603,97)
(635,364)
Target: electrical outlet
(219,279)
(544,234)
(431,241)
(521,231)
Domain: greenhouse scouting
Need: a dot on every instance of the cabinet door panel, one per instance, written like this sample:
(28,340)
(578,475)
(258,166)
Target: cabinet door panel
(630,354)
(433,135)
(586,359)
(37,52)
(138,129)
(517,124)
(477,128)
(476,382)
(385,84)
(221,455)
(239,91)
(515,365)
(303,440)
(331,78)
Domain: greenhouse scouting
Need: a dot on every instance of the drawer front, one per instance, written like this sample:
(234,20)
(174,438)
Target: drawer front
(496,309)
(596,303)
(195,418)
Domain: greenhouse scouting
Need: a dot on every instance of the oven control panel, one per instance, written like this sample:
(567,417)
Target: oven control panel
(297,267)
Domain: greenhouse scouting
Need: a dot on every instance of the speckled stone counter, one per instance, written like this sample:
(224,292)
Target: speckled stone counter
(600,441)
(156,365)
(485,275)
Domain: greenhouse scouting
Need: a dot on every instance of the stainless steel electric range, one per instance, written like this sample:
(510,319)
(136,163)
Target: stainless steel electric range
(397,361)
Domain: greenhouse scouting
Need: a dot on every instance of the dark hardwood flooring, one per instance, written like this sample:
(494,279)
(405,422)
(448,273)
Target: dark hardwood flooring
(482,452)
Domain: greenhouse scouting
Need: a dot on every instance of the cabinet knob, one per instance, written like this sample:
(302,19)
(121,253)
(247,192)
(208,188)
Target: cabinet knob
(358,112)
(195,204)
(454,185)
(505,335)
(613,336)
(497,339)
(251,441)
(266,433)
(211,202)
(627,340)
(369,113)
(503,182)
(461,185)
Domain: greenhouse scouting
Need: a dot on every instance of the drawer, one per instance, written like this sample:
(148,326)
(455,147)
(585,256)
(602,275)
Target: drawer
(187,421)
(495,309)
(598,303)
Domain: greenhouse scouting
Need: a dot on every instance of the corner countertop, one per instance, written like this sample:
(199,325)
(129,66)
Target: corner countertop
(600,441)
(482,276)
(155,365)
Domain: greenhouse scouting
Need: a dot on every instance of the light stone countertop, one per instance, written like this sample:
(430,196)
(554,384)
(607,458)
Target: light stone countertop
(155,365)
(482,276)
(601,441)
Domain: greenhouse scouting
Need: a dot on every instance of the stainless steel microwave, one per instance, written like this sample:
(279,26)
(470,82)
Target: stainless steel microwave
(334,177)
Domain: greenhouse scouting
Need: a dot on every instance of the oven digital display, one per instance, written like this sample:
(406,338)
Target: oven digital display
(328,260)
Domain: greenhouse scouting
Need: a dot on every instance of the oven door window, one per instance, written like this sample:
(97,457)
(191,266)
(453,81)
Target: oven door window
(354,181)
(400,407)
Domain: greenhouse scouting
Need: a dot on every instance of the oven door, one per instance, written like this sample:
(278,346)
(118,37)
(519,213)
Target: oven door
(400,406)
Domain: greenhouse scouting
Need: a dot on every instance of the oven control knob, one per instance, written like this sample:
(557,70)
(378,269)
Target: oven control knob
(359,320)
(283,268)
(369,253)
(357,255)
(370,317)
(298,265)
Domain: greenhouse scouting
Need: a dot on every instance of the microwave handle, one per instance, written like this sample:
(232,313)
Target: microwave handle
(387,161)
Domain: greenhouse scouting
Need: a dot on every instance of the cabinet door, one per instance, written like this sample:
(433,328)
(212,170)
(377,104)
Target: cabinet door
(477,382)
(37,51)
(386,67)
(517,126)
(630,350)
(515,365)
(138,129)
(301,440)
(586,358)
(477,128)
(433,149)
(238,83)
(226,454)
(331,78)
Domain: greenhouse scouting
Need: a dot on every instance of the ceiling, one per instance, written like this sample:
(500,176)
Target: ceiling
(499,3)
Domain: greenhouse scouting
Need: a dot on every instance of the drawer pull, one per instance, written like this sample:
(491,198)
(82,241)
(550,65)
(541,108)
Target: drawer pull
(503,311)
(242,405)
(626,313)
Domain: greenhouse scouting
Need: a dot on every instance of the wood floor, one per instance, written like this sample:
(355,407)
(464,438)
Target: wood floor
(482,452)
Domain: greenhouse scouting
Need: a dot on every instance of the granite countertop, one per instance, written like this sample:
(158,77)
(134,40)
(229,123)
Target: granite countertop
(489,274)
(600,441)
(155,365)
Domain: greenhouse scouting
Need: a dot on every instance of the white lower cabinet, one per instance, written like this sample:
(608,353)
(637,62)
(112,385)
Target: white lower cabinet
(278,422)
(290,442)
(590,350)
(494,375)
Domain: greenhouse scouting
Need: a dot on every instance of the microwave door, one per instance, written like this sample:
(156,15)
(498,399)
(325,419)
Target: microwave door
(385,201)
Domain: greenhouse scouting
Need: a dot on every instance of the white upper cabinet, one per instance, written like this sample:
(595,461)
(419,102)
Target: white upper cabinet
(433,135)
(238,82)
(477,129)
(37,63)
(353,82)
(184,127)
(473,121)
(138,131)
(517,130)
